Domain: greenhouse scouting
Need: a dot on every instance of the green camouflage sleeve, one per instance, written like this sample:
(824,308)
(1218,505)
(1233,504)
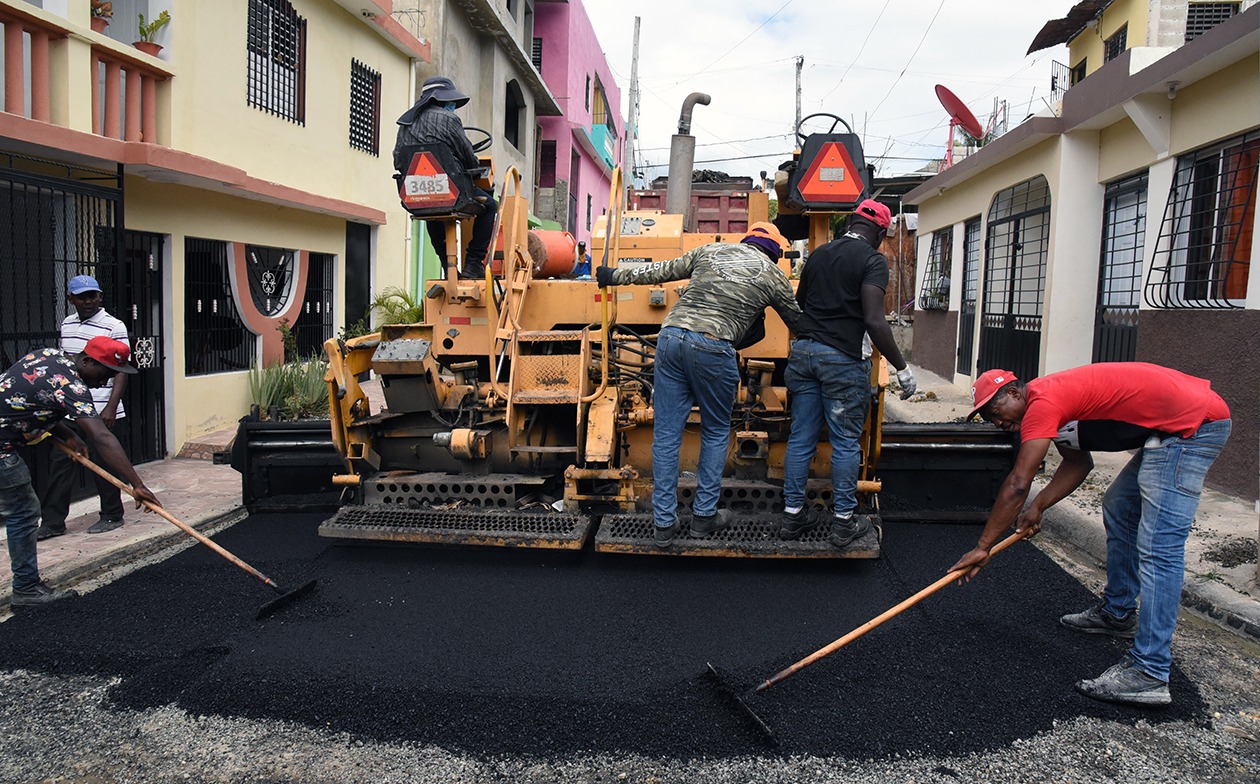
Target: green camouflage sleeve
(660,272)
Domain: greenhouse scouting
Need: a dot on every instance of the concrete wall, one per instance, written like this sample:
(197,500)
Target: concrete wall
(1179,339)
(1089,44)
(935,345)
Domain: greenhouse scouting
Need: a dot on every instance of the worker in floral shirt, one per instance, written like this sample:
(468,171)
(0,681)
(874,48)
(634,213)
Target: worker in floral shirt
(36,394)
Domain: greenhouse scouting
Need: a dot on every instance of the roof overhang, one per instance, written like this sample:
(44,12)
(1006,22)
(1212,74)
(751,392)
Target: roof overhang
(1061,31)
(379,15)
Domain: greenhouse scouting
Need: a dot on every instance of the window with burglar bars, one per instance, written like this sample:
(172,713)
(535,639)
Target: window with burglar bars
(934,295)
(1114,46)
(314,323)
(216,340)
(1203,255)
(1201,17)
(365,108)
(1120,270)
(1016,252)
(535,55)
(967,308)
(270,275)
(276,52)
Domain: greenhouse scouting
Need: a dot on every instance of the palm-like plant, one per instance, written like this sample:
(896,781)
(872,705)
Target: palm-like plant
(396,305)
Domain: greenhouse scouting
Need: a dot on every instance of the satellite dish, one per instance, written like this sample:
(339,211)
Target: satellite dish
(959,117)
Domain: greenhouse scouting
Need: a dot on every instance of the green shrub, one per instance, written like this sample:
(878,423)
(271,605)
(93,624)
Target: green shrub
(395,305)
(296,389)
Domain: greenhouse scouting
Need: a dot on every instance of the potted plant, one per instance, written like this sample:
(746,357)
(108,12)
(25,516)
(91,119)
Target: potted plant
(102,12)
(149,31)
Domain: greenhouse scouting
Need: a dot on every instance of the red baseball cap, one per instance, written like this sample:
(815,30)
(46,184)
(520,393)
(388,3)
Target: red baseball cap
(876,213)
(986,386)
(111,353)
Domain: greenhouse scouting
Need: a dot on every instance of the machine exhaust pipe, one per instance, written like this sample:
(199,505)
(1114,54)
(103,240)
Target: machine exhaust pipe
(682,155)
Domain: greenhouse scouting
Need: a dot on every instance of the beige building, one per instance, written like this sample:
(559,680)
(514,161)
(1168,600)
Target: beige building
(1119,227)
(236,180)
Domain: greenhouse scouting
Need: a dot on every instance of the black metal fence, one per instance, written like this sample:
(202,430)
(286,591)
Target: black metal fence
(1017,249)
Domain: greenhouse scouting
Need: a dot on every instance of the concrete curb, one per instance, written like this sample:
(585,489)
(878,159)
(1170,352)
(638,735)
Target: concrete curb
(1074,529)
(77,570)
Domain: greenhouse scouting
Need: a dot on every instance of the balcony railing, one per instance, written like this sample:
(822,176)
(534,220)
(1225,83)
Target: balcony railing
(45,71)
(1060,80)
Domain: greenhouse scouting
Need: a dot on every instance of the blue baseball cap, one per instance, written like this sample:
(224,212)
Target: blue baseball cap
(82,283)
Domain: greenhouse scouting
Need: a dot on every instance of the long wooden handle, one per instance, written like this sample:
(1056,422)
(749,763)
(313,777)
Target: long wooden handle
(194,533)
(892,612)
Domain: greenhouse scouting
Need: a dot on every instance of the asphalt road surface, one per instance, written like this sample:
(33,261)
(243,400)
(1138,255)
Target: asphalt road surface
(520,654)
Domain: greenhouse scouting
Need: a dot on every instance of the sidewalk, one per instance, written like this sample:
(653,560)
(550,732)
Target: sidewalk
(1221,569)
(197,492)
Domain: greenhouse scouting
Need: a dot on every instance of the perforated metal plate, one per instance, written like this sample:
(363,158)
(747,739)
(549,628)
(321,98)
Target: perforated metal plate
(748,536)
(550,530)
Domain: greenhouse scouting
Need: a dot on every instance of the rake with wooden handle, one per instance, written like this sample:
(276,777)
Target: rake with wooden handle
(285,597)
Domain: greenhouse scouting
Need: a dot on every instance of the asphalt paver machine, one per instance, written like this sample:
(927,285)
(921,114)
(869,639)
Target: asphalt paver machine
(518,413)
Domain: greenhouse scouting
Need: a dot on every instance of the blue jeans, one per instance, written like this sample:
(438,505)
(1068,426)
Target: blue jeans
(826,385)
(1147,512)
(20,509)
(690,369)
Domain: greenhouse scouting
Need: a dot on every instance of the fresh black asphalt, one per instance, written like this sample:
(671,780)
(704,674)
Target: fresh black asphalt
(550,653)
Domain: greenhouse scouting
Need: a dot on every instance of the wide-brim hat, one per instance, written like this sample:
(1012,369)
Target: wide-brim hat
(436,90)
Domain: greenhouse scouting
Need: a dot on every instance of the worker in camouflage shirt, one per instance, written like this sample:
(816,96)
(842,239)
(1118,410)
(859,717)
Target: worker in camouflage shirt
(731,285)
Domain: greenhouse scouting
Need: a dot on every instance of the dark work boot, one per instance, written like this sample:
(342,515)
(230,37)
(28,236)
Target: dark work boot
(664,534)
(707,524)
(791,526)
(40,593)
(845,530)
(473,271)
(48,532)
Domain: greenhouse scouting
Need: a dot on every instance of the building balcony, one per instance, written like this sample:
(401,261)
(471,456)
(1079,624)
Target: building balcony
(604,142)
(66,75)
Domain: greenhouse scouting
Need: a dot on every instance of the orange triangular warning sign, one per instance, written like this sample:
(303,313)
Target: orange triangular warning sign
(832,177)
(427,184)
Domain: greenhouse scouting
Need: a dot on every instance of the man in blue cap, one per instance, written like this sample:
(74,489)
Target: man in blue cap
(89,320)
(433,119)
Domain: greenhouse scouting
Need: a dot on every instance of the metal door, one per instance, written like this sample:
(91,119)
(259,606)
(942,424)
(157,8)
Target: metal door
(1120,271)
(140,298)
(1016,250)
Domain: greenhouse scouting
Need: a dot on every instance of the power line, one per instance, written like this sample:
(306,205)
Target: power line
(912,55)
(859,54)
(741,43)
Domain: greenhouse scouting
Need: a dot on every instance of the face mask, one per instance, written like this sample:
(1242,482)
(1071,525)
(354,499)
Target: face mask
(450,107)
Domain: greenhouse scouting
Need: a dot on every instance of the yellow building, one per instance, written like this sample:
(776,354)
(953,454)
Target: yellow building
(237,179)
(1119,226)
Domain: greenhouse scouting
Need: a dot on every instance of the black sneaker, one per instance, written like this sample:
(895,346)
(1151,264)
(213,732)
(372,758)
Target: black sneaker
(664,534)
(793,524)
(1125,683)
(48,532)
(707,524)
(105,524)
(473,272)
(40,593)
(845,530)
(1096,621)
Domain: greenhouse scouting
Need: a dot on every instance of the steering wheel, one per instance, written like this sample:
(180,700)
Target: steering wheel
(800,137)
(479,144)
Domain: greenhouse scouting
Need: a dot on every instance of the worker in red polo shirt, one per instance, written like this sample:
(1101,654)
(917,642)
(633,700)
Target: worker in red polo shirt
(1178,426)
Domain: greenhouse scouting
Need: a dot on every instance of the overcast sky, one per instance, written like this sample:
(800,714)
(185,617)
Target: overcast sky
(874,63)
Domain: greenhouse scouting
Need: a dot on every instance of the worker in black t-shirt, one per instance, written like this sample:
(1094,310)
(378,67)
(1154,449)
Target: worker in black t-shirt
(841,294)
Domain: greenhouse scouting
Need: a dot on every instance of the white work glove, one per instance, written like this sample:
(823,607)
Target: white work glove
(908,385)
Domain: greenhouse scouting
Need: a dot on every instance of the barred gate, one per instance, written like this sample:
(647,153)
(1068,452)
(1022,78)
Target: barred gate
(967,311)
(1120,271)
(1016,250)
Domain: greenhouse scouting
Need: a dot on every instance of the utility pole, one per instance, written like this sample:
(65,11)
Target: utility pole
(627,172)
(800,63)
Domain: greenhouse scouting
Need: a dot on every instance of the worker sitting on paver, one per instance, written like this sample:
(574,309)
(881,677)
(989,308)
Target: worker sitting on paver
(433,120)
(731,285)
(1178,426)
(43,388)
(828,375)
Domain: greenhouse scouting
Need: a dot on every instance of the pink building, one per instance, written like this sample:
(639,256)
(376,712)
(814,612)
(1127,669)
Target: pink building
(578,150)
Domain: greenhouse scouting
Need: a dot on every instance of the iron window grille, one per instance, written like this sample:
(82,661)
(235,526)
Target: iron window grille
(1114,46)
(314,324)
(215,336)
(934,295)
(276,54)
(590,207)
(1203,255)
(1016,251)
(1120,270)
(1201,17)
(1077,74)
(1060,80)
(365,108)
(270,275)
(967,308)
(535,55)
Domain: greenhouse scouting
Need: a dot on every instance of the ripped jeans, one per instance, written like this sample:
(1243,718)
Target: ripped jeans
(826,385)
